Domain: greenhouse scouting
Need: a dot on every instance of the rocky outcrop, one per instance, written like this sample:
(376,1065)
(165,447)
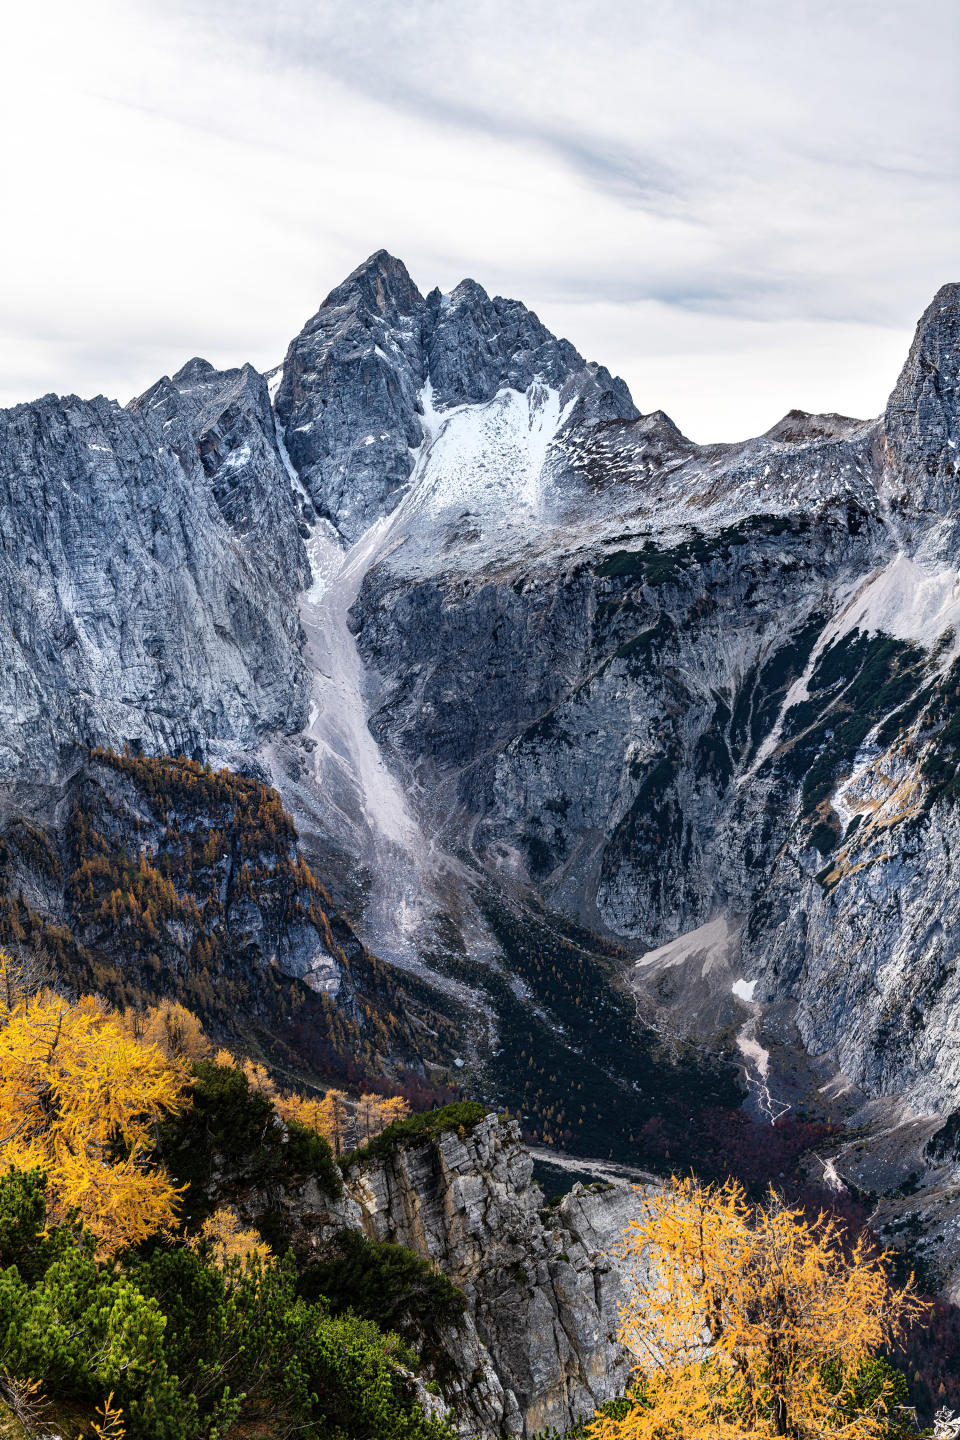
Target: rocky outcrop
(921,424)
(130,612)
(538,1345)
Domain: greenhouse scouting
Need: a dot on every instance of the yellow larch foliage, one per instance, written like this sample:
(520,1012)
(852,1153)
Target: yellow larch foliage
(333,1117)
(79,1097)
(175,1031)
(228,1240)
(318,1115)
(107,1423)
(305,1112)
(368,1117)
(394,1108)
(21,976)
(259,1080)
(335,1114)
(750,1323)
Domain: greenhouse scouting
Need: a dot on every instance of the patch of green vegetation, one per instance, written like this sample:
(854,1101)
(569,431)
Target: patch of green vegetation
(612,1410)
(386,1283)
(638,645)
(463,1115)
(825,835)
(944,1144)
(556,1181)
(540,854)
(189,1349)
(776,676)
(651,566)
(711,754)
(577,1067)
(941,765)
(230,1135)
(654,820)
(902,718)
(641,650)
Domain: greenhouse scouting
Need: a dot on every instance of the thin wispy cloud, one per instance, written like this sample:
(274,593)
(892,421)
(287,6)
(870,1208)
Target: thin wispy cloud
(740,207)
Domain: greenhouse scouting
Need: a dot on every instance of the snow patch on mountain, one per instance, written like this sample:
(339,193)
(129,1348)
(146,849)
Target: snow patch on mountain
(490,458)
(486,460)
(910,601)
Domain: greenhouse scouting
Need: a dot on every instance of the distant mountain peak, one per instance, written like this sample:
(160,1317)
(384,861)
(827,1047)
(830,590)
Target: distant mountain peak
(195,369)
(383,285)
(800,426)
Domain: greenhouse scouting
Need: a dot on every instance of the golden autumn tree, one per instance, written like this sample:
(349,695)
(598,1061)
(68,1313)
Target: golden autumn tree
(228,1240)
(175,1030)
(79,1098)
(334,1116)
(22,973)
(394,1109)
(368,1117)
(751,1323)
(260,1080)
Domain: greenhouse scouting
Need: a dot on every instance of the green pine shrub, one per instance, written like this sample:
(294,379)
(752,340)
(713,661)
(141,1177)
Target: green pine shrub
(188,1350)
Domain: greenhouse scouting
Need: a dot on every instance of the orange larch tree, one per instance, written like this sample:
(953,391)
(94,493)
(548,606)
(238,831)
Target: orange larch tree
(79,1098)
(752,1322)
(228,1240)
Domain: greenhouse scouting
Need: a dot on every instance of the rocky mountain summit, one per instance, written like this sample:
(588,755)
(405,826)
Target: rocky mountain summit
(571,713)
(369,352)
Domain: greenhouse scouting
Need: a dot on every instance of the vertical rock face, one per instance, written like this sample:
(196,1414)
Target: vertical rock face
(130,612)
(225,420)
(538,1346)
(922,419)
(348,398)
(475,346)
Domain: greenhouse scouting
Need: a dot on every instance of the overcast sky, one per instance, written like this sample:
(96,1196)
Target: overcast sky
(740,207)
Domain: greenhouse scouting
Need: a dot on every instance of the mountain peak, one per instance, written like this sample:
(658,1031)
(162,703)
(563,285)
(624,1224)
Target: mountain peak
(195,369)
(382,284)
(922,418)
(799,427)
(467,290)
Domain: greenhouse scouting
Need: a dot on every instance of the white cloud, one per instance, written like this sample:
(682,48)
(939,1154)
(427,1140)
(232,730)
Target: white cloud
(740,207)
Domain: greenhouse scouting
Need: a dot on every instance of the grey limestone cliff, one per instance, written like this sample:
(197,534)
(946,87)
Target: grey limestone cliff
(130,613)
(537,1343)
(538,1346)
(350,398)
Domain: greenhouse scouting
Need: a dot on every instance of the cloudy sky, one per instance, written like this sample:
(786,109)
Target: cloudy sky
(740,207)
